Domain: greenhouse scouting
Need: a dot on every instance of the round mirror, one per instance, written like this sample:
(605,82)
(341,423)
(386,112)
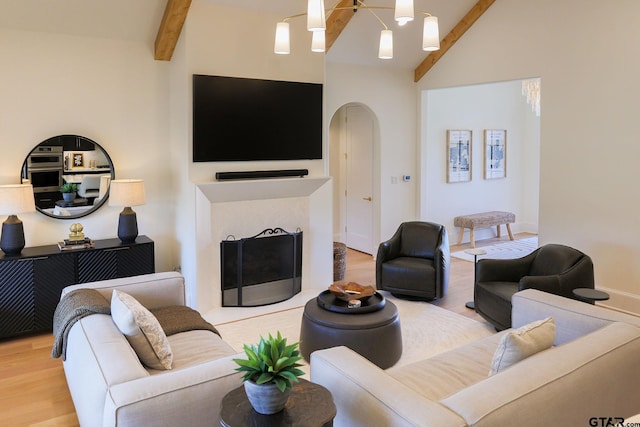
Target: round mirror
(70,175)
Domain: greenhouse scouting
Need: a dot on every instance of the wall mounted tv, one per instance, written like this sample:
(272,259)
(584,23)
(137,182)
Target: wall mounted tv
(240,119)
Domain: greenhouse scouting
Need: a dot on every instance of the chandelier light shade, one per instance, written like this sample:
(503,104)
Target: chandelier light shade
(316,22)
(404,11)
(531,89)
(386,45)
(14,199)
(317,41)
(282,44)
(430,34)
(127,193)
(316,16)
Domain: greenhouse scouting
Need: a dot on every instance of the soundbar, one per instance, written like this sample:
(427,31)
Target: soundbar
(228,176)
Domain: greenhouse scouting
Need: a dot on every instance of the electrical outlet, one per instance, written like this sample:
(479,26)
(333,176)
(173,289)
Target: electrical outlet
(394,179)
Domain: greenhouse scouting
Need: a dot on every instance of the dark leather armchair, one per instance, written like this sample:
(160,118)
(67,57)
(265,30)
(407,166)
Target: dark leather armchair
(415,261)
(552,268)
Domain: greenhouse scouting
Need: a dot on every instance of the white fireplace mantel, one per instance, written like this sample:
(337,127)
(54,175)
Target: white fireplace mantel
(260,189)
(242,208)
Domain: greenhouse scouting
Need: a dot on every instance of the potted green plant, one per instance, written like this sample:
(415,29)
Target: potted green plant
(68,191)
(270,368)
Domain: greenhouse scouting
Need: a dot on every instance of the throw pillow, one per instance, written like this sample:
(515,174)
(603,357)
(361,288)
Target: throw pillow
(523,342)
(142,330)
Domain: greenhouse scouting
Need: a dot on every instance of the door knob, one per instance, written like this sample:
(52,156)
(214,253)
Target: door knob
(368,199)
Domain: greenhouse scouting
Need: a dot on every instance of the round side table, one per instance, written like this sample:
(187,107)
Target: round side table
(475,252)
(309,405)
(590,295)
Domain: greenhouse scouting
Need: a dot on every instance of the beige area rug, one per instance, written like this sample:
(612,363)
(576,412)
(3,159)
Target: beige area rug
(426,329)
(508,250)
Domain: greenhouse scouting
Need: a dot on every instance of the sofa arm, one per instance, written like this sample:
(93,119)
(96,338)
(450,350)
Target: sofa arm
(365,395)
(572,318)
(152,290)
(567,385)
(172,397)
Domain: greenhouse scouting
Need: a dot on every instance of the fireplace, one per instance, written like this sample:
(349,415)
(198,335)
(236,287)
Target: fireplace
(260,270)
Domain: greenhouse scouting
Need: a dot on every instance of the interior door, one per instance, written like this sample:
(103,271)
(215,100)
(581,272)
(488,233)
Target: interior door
(359,179)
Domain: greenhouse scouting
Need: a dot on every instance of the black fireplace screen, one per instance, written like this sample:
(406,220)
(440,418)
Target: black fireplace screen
(263,269)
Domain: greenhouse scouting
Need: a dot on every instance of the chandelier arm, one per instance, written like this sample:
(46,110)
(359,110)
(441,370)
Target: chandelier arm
(286,18)
(360,2)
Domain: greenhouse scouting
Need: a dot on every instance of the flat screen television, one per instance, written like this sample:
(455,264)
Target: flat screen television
(241,119)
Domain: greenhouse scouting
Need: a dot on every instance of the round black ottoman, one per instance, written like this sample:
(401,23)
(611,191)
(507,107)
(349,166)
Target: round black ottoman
(374,335)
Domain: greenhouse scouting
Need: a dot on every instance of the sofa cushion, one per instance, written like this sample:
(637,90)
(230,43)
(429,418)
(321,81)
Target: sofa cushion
(523,342)
(142,330)
(195,347)
(447,373)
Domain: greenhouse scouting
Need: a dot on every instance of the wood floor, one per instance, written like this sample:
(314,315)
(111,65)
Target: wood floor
(33,389)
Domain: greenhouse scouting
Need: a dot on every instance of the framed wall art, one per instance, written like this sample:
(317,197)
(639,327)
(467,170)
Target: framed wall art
(458,155)
(495,153)
(78,160)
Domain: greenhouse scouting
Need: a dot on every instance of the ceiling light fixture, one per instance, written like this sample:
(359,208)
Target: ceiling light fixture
(316,23)
(531,89)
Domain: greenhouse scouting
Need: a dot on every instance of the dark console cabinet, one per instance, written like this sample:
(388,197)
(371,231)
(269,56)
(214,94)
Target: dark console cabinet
(30,283)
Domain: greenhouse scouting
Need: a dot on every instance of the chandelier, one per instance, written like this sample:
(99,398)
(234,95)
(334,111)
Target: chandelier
(316,23)
(531,89)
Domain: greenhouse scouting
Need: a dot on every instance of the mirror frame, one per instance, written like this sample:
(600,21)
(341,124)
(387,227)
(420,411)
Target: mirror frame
(49,141)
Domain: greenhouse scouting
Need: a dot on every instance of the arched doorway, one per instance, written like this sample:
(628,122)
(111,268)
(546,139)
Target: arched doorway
(352,140)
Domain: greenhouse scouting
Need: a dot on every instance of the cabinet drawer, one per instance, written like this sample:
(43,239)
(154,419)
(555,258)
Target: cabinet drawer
(16,297)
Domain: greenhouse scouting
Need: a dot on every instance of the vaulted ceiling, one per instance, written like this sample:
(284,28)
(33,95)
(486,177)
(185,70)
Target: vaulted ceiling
(351,38)
(176,12)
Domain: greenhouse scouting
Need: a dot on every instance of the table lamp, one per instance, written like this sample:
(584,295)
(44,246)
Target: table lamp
(14,199)
(127,193)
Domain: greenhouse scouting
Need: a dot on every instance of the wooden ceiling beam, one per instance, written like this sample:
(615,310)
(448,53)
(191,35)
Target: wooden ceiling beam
(175,13)
(337,22)
(450,39)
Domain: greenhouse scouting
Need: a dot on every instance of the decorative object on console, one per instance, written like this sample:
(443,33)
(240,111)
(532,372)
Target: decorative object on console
(14,199)
(76,240)
(127,193)
(316,23)
(76,232)
(270,369)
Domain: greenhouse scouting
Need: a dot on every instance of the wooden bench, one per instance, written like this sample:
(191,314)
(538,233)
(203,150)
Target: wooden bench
(483,220)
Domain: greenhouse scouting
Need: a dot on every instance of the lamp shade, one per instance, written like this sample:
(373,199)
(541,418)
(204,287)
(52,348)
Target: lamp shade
(16,198)
(126,192)
(430,34)
(386,45)
(317,41)
(404,11)
(315,15)
(282,44)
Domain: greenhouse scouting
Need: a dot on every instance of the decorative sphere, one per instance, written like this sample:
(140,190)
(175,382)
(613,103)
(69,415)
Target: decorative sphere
(76,227)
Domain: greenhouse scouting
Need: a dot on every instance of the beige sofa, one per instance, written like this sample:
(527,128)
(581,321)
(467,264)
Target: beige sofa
(109,385)
(593,370)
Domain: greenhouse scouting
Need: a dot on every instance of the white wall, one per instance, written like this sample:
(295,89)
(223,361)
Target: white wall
(589,148)
(110,91)
(480,107)
(391,96)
